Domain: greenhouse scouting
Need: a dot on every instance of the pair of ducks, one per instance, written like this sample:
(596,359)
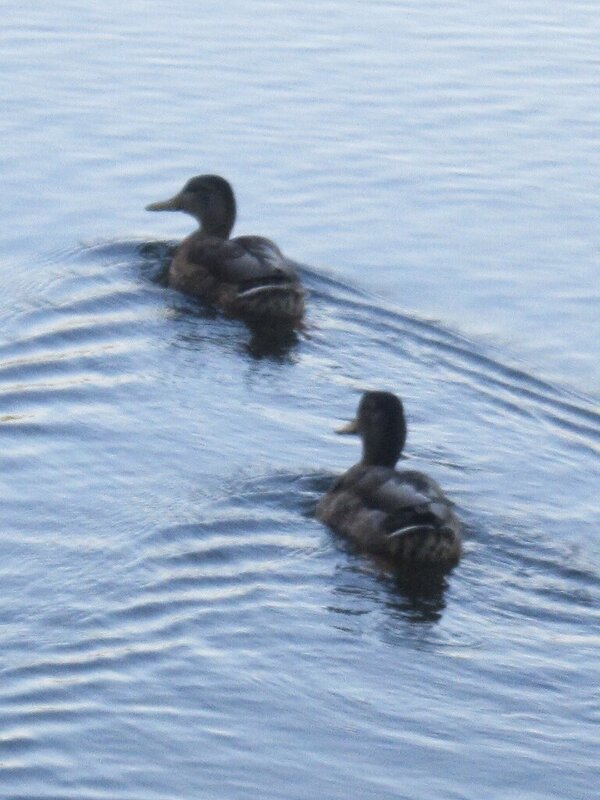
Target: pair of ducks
(403,516)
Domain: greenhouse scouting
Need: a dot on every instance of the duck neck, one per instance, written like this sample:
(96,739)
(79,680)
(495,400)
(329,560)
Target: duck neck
(382,450)
(219,228)
(218,217)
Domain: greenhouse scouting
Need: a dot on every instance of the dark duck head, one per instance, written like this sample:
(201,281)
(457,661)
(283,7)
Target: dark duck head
(207,198)
(381,425)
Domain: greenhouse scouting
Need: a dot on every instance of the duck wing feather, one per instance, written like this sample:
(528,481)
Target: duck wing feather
(246,261)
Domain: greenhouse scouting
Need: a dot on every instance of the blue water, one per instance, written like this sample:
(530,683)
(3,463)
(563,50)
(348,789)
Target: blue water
(175,623)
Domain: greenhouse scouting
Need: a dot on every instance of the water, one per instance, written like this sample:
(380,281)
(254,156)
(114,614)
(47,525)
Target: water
(175,622)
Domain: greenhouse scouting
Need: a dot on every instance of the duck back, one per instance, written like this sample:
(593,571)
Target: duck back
(402,515)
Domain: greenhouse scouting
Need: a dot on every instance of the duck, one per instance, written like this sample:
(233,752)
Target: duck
(247,276)
(401,515)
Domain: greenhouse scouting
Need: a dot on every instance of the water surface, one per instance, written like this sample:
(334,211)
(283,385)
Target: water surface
(175,622)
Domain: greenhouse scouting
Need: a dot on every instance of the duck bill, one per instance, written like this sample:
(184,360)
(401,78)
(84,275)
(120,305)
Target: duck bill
(349,428)
(174,204)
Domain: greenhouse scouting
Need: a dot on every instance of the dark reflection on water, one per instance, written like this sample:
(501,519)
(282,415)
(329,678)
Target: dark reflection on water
(268,341)
(414,598)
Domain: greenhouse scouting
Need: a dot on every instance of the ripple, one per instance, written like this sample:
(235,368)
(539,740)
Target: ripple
(489,375)
(186,585)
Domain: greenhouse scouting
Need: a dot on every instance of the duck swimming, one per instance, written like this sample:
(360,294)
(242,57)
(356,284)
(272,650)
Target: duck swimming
(402,515)
(247,276)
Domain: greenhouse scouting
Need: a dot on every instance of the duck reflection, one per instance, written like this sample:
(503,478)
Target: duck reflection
(375,581)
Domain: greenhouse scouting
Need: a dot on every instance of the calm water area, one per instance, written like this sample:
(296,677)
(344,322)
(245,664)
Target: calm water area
(174,623)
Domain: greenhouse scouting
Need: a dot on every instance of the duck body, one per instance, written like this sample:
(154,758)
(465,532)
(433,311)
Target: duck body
(402,515)
(247,276)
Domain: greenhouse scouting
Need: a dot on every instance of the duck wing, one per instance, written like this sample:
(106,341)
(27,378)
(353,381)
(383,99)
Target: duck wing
(246,261)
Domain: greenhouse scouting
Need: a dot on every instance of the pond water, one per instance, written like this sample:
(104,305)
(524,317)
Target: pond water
(175,623)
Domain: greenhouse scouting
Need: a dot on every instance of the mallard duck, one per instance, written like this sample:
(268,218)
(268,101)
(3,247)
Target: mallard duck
(247,276)
(402,515)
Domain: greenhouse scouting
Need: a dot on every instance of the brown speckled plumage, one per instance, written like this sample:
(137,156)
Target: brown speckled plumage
(404,515)
(247,276)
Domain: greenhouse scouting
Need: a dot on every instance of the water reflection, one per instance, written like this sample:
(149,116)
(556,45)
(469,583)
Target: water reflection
(271,340)
(412,597)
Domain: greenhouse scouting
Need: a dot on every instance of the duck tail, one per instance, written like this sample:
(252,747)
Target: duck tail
(426,545)
(272,300)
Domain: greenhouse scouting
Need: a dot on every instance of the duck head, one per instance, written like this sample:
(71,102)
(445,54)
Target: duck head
(207,198)
(381,425)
